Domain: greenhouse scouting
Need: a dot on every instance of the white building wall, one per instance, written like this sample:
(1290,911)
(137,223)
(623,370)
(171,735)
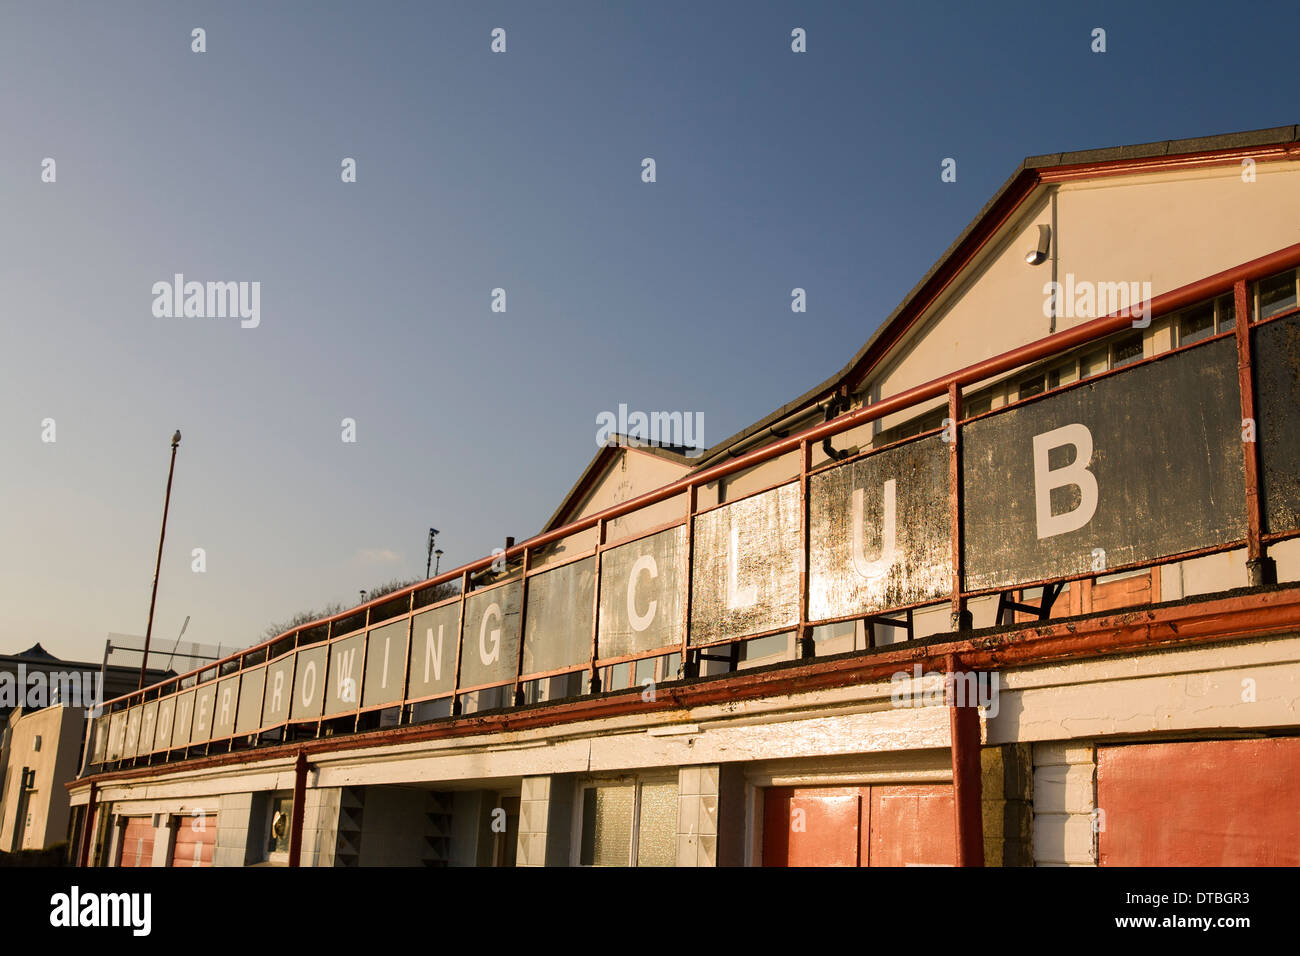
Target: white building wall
(1065,787)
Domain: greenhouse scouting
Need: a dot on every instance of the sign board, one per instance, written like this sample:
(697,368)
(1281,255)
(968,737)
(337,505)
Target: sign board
(642,592)
(1129,468)
(557,627)
(1275,350)
(745,574)
(880,531)
(490,645)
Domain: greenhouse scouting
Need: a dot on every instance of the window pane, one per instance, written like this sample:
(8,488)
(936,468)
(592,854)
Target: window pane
(978,404)
(607,826)
(1126,350)
(657,830)
(1276,295)
(1227,312)
(1031,386)
(1196,323)
(1094,363)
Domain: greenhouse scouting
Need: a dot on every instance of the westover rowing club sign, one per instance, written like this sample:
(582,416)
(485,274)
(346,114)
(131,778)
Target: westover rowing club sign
(1130,468)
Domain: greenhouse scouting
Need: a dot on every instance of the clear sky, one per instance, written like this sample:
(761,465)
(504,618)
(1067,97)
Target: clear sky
(519,170)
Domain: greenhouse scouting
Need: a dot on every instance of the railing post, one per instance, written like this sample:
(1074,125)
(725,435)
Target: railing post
(961,618)
(593,677)
(460,640)
(517,695)
(689,668)
(1260,568)
(804,645)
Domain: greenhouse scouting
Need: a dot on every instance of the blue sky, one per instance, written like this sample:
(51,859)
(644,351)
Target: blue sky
(477,171)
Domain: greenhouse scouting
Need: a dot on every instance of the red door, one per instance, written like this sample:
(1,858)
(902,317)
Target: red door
(858,826)
(1200,803)
(137,842)
(196,840)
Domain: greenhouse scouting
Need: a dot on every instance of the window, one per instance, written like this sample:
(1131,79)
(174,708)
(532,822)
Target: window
(1205,319)
(629,823)
(977,404)
(1093,363)
(1031,386)
(1126,350)
(1275,295)
(1196,323)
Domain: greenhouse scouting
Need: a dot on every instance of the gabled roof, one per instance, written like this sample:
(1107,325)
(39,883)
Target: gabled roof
(609,452)
(1034,172)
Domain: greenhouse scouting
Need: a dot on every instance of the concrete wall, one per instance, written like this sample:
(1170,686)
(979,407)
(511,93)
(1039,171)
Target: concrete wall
(394,826)
(545,820)
(46,807)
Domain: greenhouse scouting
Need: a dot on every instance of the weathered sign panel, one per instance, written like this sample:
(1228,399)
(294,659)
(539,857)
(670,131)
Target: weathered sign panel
(343,689)
(309,682)
(557,627)
(880,534)
(279,691)
(385,664)
(116,729)
(148,728)
(166,713)
(183,719)
(642,585)
(745,574)
(1129,468)
(99,751)
(132,732)
(248,718)
(434,638)
(205,698)
(1276,353)
(490,644)
(223,720)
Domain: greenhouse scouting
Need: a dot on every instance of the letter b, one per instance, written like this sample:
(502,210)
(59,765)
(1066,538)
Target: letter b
(1076,473)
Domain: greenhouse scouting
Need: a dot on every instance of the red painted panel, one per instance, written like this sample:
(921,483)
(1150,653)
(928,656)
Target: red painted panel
(1200,803)
(913,825)
(137,842)
(196,841)
(811,826)
(859,826)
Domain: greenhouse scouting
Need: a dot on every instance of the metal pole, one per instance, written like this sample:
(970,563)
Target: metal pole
(153,598)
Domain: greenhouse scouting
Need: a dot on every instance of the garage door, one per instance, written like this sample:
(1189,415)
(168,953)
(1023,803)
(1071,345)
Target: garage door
(137,842)
(196,840)
(859,826)
(1201,803)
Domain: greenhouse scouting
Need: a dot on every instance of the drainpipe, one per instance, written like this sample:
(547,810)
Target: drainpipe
(1056,303)
(967,797)
(87,830)
(299,797)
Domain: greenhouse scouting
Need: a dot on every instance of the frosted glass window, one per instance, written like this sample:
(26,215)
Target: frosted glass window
(657,826)
(607,825)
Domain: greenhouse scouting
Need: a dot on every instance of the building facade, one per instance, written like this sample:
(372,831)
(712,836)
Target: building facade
(1016,586)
